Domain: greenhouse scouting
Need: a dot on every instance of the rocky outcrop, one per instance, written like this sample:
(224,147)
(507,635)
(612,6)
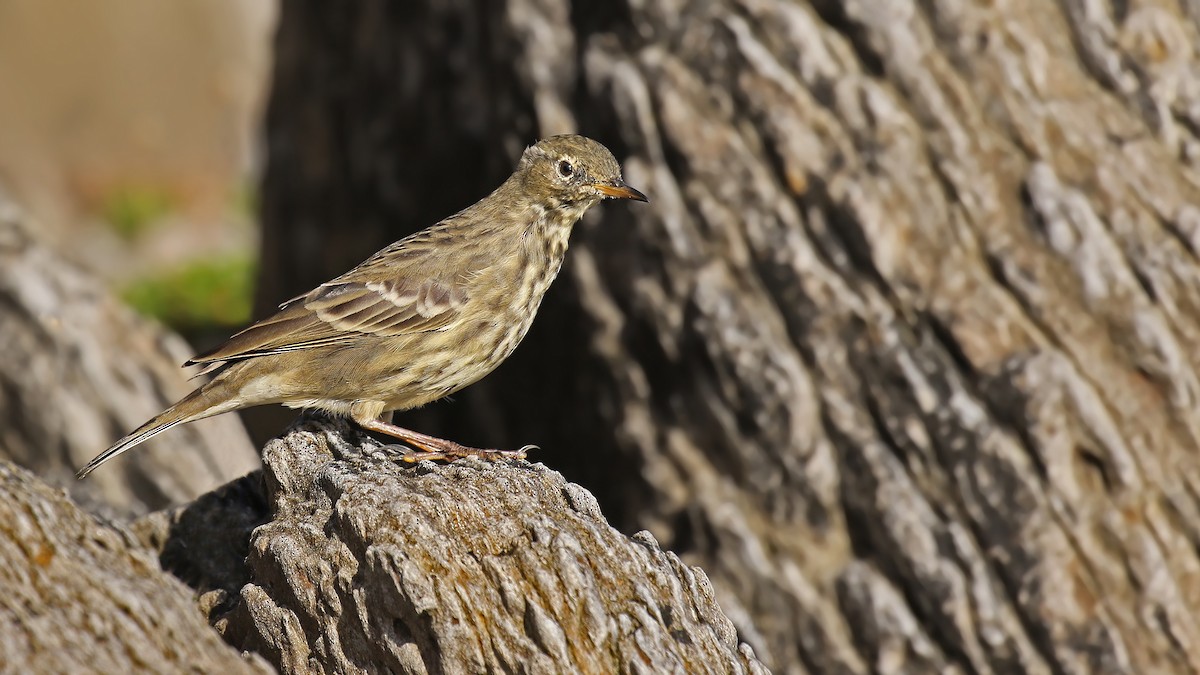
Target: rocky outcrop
(78,595)
(358,561)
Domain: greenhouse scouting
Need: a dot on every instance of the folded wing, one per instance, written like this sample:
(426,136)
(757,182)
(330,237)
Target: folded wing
(342,312)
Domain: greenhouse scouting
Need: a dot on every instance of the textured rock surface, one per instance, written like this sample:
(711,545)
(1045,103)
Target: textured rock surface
(79,370)
(81,596)
(905,352)
(369,563)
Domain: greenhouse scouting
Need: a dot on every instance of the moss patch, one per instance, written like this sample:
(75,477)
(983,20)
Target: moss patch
(203,294)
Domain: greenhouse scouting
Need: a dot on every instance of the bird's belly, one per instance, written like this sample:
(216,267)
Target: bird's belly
(438,363)
(447,362)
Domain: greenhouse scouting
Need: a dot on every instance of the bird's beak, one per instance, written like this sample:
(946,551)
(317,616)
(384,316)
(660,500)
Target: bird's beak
(620,190)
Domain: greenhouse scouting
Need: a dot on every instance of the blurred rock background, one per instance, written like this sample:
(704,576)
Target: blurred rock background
(129,165)
(128,130)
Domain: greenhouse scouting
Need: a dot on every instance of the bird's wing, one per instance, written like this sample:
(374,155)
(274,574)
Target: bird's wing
(343,311)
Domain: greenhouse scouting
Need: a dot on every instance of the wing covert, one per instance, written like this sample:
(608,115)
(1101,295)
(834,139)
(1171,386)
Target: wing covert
(341,312)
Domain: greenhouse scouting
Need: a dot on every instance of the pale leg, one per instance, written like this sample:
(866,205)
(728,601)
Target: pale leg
(438,448)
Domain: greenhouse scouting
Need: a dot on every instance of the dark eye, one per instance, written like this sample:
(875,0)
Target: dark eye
(565,169)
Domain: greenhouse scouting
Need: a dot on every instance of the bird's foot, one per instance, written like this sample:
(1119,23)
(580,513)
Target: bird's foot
(451,451)
(418,446)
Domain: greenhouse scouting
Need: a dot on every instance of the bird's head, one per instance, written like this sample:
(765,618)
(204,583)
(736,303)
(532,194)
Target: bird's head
(573,172)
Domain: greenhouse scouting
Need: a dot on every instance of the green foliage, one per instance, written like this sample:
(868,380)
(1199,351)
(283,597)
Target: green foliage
(203,294)
(132,210)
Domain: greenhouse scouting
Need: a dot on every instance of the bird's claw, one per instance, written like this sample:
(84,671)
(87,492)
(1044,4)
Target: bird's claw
(398,450)
(414,457)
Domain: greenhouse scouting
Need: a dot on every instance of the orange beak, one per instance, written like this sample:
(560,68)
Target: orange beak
(620,191)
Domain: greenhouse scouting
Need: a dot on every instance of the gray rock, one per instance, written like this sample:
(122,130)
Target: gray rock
(77,595)
(368,563)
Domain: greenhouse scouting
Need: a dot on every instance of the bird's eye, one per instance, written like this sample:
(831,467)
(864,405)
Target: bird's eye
(565,169)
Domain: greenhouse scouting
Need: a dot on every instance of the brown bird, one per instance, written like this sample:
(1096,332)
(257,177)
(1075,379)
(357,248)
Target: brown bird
(421,319)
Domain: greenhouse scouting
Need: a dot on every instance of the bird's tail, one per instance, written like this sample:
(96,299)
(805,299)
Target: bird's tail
(203,402)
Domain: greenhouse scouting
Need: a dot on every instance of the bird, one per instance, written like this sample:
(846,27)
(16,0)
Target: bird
(417,321)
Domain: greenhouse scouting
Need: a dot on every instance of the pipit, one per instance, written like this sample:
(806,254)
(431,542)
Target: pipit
(421,319)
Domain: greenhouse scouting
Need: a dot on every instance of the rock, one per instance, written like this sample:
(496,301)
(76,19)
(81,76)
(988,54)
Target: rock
(367,562)
(79,595)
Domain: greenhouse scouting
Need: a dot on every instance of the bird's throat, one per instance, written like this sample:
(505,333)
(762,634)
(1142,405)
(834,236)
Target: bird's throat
(548,242)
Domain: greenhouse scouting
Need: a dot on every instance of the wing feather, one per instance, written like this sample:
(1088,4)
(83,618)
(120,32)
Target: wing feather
(423,295)
(342,312)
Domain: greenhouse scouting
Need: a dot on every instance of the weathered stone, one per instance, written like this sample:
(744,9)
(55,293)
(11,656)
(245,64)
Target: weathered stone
(367,563)
(78,595)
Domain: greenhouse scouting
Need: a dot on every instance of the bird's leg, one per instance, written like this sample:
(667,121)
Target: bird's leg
(437,448)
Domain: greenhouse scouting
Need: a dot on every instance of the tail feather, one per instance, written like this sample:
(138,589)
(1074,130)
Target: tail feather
(199,404)
(138,436)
